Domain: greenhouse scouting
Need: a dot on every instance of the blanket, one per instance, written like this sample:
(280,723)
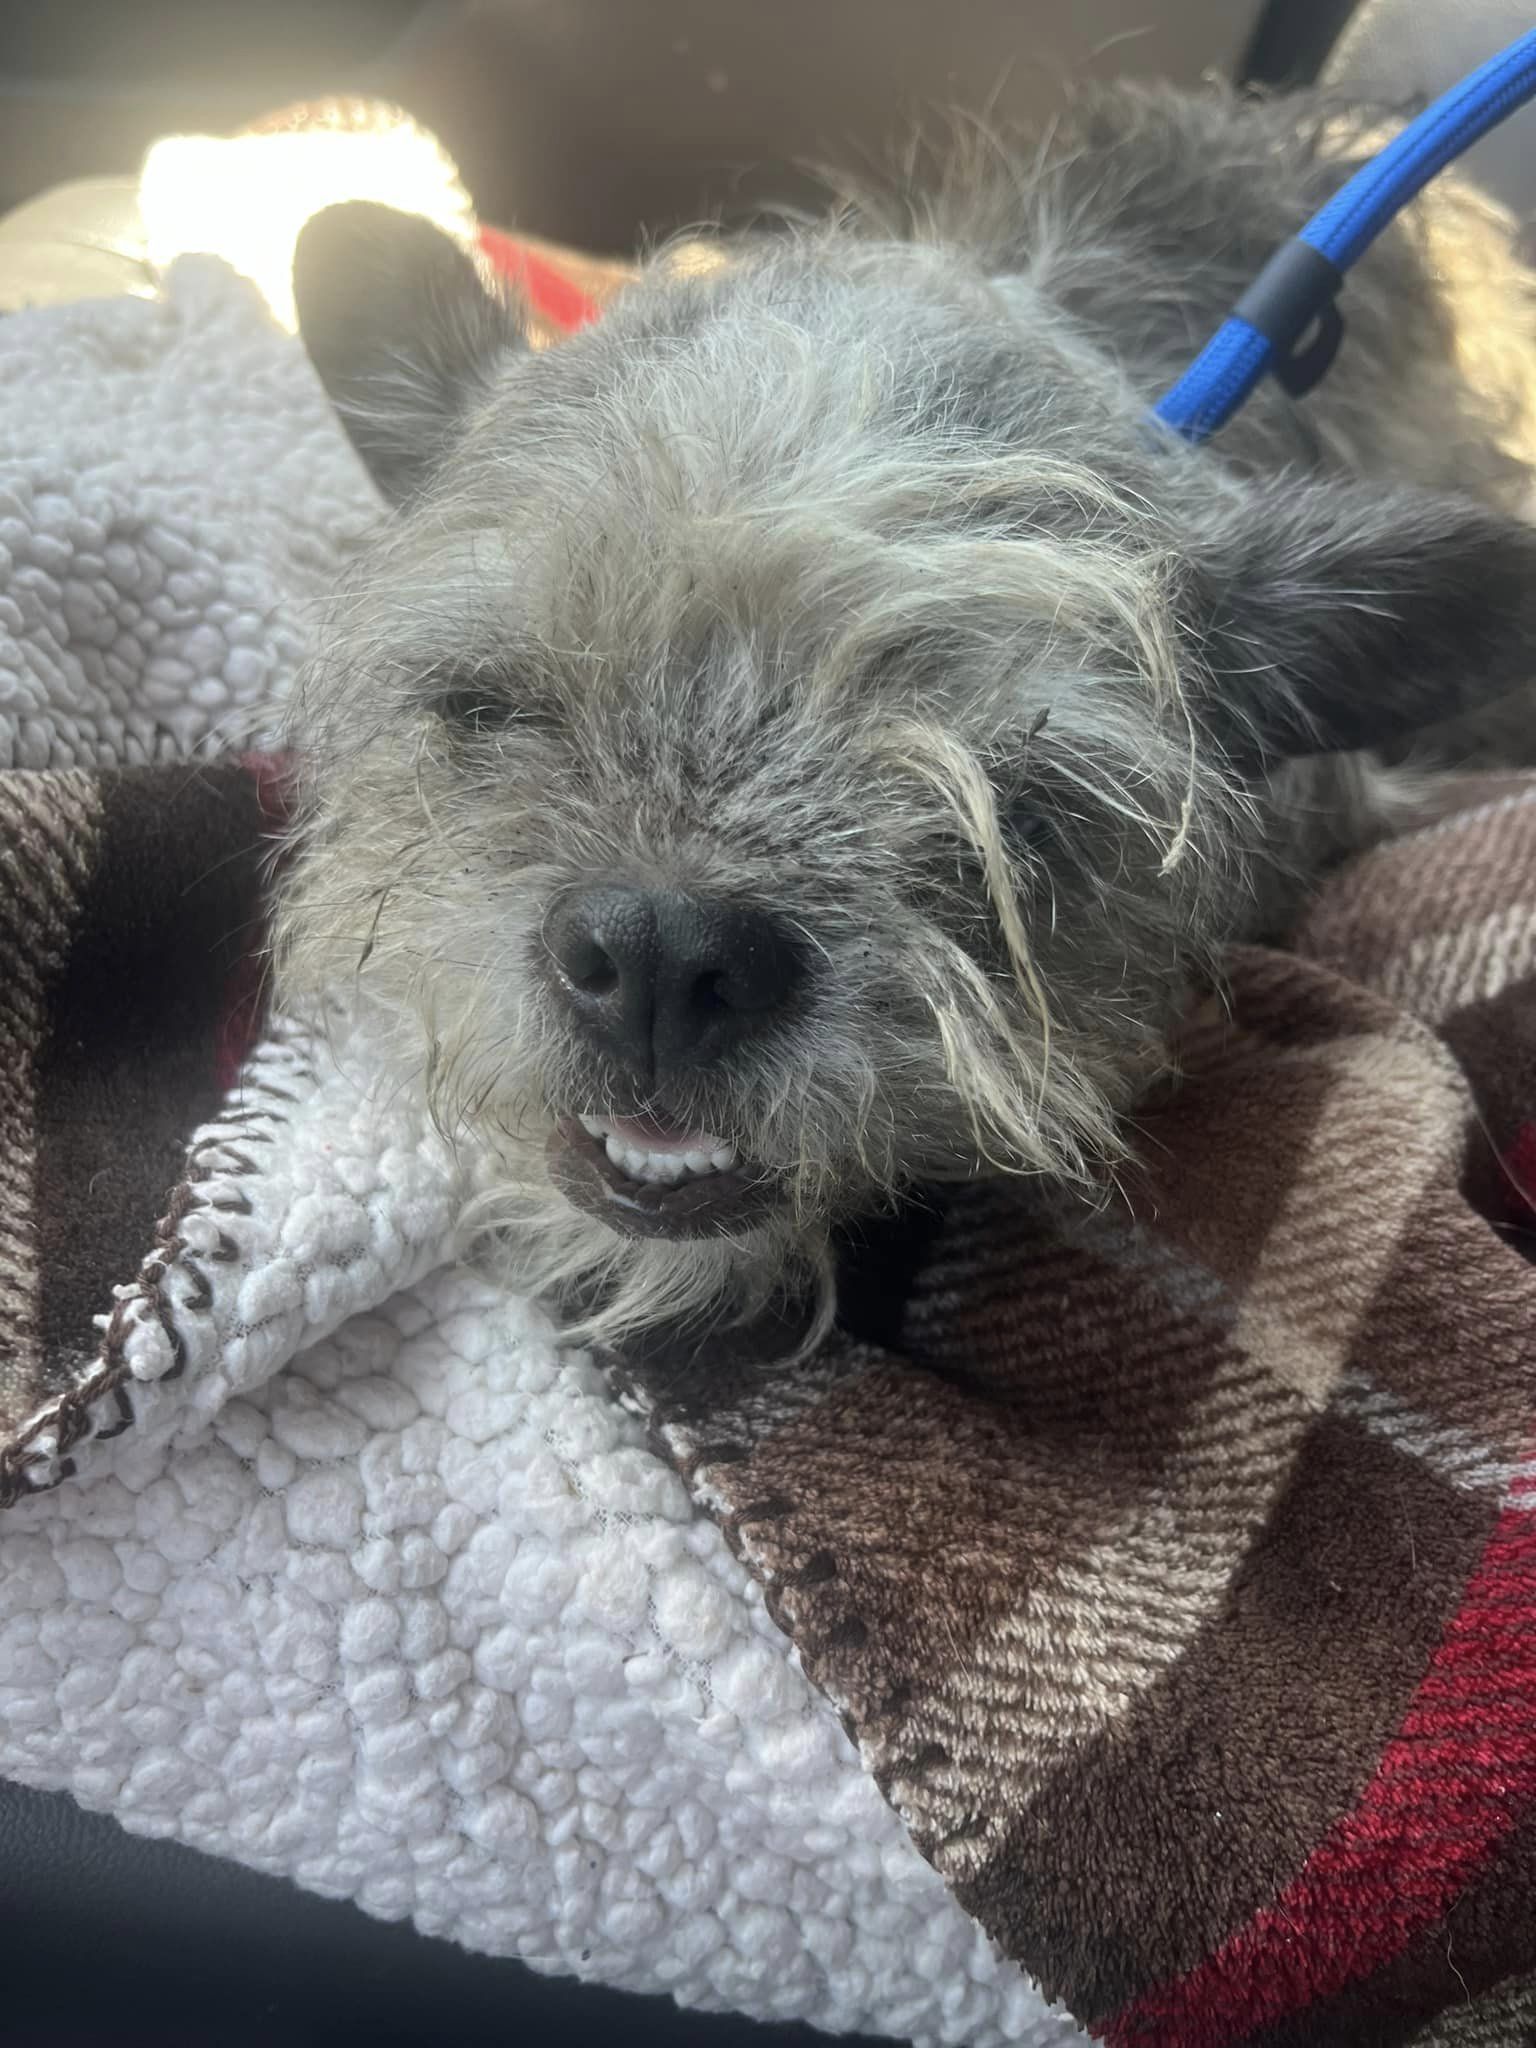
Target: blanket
(1173,1563)
(1169,1566)
(320,1551)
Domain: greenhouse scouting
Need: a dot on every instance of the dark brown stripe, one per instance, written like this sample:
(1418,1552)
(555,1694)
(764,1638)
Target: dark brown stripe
(1168,1832)
(1495,1042)
(129,1067)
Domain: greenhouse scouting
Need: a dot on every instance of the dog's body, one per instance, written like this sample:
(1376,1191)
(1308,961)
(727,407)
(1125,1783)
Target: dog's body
(799,737)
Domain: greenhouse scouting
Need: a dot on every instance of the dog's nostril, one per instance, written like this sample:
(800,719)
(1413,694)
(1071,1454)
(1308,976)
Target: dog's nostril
(584,962)
(709,993)
(602,981)
(593,973)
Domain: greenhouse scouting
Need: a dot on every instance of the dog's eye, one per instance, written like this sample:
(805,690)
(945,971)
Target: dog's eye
(478,709)
(1030,830)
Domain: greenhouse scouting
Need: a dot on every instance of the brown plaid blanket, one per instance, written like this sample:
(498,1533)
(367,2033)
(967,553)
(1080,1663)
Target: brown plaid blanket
(1172,1564)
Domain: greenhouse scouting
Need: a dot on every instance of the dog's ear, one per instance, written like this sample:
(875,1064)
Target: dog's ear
(1343,616)
(401,330)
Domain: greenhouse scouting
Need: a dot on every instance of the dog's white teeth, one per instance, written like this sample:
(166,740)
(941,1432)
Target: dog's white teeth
(667,1167)
(661,1169)
(664,1167)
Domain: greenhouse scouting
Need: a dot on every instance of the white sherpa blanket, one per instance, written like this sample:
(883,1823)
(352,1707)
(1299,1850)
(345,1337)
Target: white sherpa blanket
(385,1594)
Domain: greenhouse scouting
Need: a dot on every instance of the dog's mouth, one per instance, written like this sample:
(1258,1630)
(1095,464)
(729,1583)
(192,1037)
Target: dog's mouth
(648,1178)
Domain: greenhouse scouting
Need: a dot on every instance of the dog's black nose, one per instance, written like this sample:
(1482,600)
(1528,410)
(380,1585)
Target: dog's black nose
(666,981)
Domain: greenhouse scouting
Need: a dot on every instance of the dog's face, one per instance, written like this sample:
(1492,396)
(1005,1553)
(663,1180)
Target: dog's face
(792,740)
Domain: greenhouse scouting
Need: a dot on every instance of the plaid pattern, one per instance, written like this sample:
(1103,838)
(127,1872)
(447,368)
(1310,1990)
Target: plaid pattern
(1174,1565)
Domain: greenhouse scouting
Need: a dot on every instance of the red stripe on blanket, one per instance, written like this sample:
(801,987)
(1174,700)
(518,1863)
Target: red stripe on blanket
(1448,1789)
(560,302)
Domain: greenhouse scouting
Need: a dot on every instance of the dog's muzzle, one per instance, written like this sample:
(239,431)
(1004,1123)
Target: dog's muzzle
(664,985)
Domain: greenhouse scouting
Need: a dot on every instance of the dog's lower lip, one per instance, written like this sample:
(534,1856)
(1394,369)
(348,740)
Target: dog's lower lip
(710,1206)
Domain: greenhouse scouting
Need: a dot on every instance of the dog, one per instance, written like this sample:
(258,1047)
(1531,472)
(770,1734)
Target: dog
(801,738)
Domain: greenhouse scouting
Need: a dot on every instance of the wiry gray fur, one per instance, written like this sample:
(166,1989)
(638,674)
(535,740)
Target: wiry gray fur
(839,575)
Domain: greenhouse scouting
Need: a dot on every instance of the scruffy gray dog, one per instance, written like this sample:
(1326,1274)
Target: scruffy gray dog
(798,738)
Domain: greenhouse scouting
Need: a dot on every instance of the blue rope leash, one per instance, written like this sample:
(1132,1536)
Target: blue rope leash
(1298,288)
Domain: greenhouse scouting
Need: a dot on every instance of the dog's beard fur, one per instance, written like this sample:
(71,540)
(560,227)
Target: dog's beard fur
(846,581)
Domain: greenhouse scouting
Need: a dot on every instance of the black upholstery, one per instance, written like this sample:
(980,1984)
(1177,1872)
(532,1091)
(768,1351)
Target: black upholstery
(110,1939)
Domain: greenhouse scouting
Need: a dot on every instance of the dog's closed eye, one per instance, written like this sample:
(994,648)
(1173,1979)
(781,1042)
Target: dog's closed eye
(1028,828)
(474,707)
(470,709)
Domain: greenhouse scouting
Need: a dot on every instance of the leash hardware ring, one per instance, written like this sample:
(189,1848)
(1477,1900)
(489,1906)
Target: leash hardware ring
(1294,294)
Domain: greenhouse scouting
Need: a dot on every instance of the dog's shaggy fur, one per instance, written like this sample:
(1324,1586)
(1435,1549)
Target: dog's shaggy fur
(837,573)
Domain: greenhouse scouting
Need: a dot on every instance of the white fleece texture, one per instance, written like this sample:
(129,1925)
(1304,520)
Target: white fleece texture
(385,1594)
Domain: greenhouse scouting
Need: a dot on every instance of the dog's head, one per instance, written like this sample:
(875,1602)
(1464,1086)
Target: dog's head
(793,738)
